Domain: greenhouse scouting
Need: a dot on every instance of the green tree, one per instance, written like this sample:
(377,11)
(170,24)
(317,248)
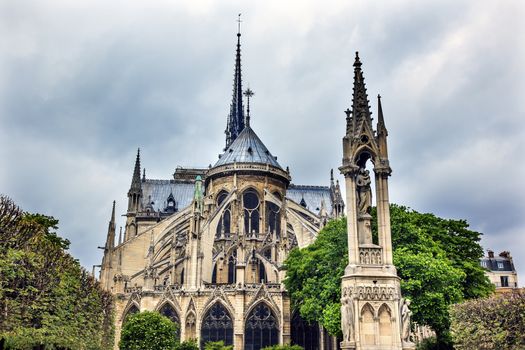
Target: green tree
(313,276)
(437,261)
(148,330)
(47,299)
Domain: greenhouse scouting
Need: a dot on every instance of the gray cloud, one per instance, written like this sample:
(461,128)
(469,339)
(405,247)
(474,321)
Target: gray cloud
(86,83)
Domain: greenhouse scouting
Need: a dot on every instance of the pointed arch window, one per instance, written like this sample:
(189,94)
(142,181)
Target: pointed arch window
(217,325)
(273,218)
(251,205)
(261,329)
(131,311)
(168,311)
(231,269)
(224,226)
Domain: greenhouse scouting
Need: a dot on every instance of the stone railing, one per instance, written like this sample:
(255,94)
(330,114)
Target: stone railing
(133,290)
(248,167)
(370,255)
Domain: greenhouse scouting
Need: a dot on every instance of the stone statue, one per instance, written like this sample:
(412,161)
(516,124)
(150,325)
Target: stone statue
(198,195)
(347,319)
(405,321)
(364,193)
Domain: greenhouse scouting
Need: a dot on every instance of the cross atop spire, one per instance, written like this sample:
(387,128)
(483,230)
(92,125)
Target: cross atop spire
(248,93)
(235,122)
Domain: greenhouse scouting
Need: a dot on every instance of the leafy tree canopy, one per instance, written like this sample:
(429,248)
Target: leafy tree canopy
(437,261)
(47,298)
(148,330)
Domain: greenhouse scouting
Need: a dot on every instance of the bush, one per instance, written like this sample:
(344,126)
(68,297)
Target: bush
(283,347)
(497,322)
(187,345)
(148,331)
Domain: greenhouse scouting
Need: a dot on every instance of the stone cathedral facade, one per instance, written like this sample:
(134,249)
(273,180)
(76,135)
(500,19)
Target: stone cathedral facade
(206,247)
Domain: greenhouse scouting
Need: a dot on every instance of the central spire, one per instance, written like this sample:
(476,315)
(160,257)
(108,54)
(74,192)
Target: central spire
(236,117)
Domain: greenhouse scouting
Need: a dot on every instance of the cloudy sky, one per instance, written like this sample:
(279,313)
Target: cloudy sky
(83,84)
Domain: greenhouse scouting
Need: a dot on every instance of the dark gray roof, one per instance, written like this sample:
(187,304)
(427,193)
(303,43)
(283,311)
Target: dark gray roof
(497,264)
(247,148)
(159,190)
(313,195)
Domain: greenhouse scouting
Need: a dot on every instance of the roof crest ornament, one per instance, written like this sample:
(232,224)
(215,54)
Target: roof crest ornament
(248,93)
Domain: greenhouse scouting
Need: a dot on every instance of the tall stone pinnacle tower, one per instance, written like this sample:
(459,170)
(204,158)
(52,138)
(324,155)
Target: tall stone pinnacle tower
(373,314)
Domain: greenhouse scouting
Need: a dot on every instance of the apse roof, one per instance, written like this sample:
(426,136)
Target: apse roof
(247,148)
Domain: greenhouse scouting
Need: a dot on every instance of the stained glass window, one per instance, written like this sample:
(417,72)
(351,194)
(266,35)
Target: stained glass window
(217,325)
(261,329)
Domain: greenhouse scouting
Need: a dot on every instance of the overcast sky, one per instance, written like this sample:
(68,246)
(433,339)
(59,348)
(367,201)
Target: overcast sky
(83,84)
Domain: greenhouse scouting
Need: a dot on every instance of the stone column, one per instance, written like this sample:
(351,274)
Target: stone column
(351,200)
(383,214)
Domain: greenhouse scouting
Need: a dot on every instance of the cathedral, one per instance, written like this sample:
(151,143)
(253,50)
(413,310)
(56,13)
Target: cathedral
(206,248)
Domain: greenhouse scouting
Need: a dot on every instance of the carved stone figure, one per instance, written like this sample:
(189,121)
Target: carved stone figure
(363,191)
(347,319)
(405,320)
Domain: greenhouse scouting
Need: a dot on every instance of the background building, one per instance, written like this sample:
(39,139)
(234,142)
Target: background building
(500,270)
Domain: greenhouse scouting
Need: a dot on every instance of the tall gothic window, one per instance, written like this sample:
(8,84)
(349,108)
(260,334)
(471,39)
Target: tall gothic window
(251,212)
(231,270)
(261,328)
(224,226)
(305,334)
(273,218)
(132,310)
(217,325)
(168,311)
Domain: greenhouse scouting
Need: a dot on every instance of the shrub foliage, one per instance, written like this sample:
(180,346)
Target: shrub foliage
(148,330)
(497,322)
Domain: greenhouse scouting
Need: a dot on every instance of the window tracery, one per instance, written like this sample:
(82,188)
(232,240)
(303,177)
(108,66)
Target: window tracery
(217,325)
(251,206)
(261,329)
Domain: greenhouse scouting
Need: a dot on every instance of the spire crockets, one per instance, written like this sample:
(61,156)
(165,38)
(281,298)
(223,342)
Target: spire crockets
(235,122)
(360,108)
(135,190)
(110,240)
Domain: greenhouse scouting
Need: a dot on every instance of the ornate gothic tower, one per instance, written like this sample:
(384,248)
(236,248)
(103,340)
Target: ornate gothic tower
(372,310)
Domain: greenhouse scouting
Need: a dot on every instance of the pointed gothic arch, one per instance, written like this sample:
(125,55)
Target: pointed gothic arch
(261,327)
(167,309)
(385,325)
(131,309)
(368,325)
(251,203)
(217,324)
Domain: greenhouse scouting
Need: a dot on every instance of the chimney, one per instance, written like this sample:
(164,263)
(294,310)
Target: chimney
(491,254)
(505,254)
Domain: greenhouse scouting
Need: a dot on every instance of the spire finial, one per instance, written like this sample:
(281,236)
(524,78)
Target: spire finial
(239,25)
(113,213)
(135,181)
(360,109)
(248,93)
(381,127)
